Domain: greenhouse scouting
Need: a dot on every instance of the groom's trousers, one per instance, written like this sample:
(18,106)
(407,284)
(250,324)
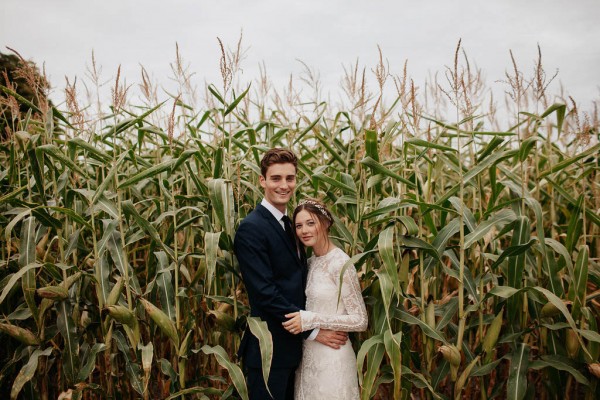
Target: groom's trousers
(281,384)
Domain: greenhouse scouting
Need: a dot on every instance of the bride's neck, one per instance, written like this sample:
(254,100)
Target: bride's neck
(323,247)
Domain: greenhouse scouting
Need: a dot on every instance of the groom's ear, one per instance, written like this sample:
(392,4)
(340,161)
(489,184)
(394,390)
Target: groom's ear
(262,181)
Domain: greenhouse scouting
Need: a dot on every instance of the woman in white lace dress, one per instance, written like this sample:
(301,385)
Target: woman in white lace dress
(326,373)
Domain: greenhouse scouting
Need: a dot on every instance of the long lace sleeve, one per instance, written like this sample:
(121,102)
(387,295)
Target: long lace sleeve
(350,315)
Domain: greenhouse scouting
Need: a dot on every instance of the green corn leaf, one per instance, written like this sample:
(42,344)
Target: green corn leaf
(593,346)
(409,224)
(221,197)
(143,223)
(516,263)
(235,102)
(439,243)
(460,382)
(526,147)
(486,163)
(235,373)
(424,382)
(416,243)
(108,206)
(72,214)
(309,128)
(487,368)
(54,152)
(132,122)
(102,273)
(392,347)
(491,146)
(371,147)
(467,275)
(575,225)
(218,161)
(134,372)
(438,375)
(215,92)
(429,145)
(112,241)
(563,252)
(55,113)
(385,244)
(372,349)
(91,150)
(183,157)
(148,173)
(565,163)
(513,251)
(559,363)
(68,330)
(181,394)
(7,197)
(325,142)
(517,380)
(335,183)
(14,278)
(211,247)
(468,217)
(384,207)
(507,292)
(427,330)
(498,220)
(89,361)
(591,214)
(28,371)
(377,168)
(261,331)
(560,110)
(108,178)
(37,167)
(387,290)
(26,258)
(165,285)
(578,289)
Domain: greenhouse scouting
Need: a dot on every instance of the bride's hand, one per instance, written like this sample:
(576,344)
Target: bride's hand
(294,324)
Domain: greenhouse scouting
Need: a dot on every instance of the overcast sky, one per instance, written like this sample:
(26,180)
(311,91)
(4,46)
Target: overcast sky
(325,34)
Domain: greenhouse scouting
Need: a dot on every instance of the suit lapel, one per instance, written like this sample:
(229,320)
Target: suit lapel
(276,226)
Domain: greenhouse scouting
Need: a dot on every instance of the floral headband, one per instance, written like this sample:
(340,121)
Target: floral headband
(318,206)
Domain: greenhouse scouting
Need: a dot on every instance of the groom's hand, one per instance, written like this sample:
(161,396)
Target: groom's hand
(333,339)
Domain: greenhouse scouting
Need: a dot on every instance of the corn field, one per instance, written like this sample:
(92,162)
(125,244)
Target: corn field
(475,232)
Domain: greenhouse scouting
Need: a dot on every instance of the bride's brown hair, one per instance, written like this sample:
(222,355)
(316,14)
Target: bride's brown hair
(316,208)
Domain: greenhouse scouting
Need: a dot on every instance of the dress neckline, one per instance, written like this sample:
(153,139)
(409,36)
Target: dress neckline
(326,254)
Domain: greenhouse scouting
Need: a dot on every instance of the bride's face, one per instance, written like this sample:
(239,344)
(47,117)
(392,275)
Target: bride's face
(309,229)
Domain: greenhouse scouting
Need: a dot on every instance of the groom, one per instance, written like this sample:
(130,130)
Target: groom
(274,272)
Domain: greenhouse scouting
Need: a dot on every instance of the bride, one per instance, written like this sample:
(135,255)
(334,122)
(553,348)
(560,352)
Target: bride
(326,373)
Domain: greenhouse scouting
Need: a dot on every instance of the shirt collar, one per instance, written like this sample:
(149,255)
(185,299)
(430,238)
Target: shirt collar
(276,213)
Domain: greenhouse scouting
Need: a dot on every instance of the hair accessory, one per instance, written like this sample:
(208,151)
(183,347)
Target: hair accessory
(318,206)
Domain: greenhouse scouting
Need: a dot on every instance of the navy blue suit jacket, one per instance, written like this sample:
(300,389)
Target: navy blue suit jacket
(275,278)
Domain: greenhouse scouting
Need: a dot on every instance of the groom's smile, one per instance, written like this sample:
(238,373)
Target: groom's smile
(279,184)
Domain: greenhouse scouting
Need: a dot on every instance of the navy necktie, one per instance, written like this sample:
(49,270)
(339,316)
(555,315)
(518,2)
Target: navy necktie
(287,223)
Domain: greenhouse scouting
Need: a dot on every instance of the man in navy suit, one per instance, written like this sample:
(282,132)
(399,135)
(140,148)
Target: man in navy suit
(274,270)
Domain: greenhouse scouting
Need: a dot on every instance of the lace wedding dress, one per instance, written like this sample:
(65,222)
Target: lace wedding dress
(327,373)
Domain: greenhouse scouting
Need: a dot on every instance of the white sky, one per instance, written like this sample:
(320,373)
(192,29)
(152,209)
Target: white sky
(325,34)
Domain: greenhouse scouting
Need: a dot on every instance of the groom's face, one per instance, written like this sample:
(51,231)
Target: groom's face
(279,184)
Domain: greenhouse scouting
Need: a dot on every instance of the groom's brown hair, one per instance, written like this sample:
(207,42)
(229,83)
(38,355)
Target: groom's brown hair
(277,155)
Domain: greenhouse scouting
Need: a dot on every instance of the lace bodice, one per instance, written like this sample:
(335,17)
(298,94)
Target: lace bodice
(323,307)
